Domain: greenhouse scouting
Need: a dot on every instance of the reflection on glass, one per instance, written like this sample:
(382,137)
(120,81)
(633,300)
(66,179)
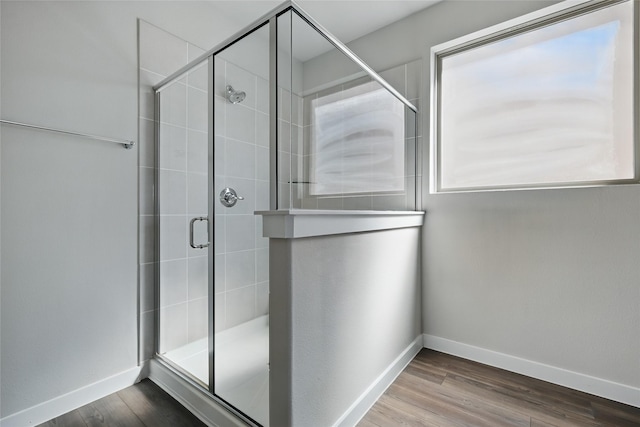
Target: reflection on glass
(552,105)
(357,142)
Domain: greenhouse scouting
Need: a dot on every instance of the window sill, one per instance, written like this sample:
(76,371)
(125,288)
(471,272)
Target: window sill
(298,223)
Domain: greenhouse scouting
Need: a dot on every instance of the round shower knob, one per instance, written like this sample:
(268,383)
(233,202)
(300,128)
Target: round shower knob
(229,197)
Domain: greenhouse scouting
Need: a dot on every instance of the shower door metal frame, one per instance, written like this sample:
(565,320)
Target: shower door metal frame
(271,18)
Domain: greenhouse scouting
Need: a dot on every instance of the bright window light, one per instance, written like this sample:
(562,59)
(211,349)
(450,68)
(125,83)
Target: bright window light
(551,105)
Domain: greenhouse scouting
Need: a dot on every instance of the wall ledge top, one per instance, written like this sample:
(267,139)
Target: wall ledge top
(298,223)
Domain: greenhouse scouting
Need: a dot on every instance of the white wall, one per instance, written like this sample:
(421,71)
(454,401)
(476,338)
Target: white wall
(69,205)
(550,276)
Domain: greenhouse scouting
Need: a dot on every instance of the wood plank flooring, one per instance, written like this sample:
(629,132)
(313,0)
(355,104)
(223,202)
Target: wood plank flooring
(446,391)
(141,405)
(434,390)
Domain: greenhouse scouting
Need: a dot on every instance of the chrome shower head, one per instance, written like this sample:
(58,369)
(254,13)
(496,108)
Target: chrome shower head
(234,96)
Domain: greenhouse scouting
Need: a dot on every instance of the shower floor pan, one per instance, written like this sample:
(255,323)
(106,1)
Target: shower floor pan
(241,366)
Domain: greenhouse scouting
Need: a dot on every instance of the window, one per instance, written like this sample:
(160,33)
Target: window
(358,142)
(546,100)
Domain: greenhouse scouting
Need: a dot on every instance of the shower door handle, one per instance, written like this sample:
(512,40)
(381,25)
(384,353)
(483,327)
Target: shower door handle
(191,239)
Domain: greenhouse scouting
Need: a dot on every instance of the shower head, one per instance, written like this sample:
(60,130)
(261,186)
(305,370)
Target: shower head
(234,96)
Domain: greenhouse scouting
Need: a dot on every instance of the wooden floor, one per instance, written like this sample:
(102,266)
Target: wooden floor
(141,405)
(434,390)
(441,390)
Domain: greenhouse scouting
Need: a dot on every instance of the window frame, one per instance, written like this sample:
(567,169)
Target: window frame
(532,21)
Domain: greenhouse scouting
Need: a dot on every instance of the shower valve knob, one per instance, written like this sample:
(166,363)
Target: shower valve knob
(229,197)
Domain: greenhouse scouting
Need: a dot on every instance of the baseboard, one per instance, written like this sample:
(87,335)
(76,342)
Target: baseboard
(192,397)
(577,381)
(366,400)
(57,406)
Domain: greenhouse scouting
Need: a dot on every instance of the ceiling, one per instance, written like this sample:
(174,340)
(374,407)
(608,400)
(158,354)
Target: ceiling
(345,19)
(349,20)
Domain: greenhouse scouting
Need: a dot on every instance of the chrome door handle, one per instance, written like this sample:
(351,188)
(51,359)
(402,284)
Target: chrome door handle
(229,197)
(191,239)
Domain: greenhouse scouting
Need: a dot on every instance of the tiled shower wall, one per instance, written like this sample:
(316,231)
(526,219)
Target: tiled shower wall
(242,163)
(183,175)
(241,140)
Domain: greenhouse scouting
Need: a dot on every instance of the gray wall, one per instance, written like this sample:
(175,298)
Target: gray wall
(546,275)
(69,206)
(343,308)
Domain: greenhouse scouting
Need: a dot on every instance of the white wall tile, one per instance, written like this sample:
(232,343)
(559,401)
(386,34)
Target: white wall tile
(219,164)
(261,242)
(262,163)
(241,267)
(173,147)
(173,327)
(262,130)
(197,110)
(173,194)
(240,159)
(199,77)
(220,116)
(262,265)
(262,103)
(173,104)
(197,194)
(198,319)
(219,76)
(220,312)
(262,298)
(220,273)
(219,234)
(240,233)
(173,282)
(241,305)
(173,237)
(197,152)
(240,123)
(198,277)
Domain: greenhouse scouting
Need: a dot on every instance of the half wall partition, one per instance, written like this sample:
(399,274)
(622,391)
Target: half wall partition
(280,116)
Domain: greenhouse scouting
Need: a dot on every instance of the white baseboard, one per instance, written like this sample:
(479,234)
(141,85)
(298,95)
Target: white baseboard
(57,406)
(588,384)
(366,400)
(191,397)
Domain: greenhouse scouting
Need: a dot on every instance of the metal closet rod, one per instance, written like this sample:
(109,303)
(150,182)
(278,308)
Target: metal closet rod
(124,142)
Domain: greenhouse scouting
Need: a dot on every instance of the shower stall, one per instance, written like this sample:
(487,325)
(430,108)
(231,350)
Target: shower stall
(280,116)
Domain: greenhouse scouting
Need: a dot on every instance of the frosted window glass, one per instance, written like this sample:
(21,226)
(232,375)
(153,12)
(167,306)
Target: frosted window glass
(553,105)
(357,142)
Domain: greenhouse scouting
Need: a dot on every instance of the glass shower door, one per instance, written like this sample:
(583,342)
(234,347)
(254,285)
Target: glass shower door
(183,223)
(213,173)
(241,254)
